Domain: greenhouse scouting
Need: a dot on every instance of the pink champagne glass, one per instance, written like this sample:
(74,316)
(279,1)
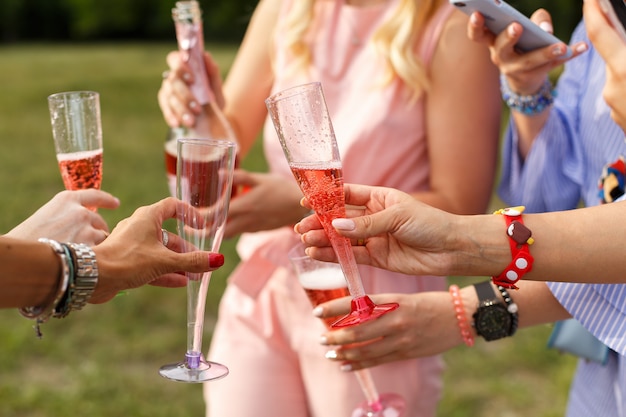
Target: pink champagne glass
(306,134)
(204,177)
(324,281)
(77,133)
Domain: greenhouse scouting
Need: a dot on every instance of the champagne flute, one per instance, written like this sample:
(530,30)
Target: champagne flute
(305,131)
(204,176)
(77,133)
(324,281)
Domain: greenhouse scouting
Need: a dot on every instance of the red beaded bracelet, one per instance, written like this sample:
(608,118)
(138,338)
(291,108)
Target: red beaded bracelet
(519,240)
(461,319)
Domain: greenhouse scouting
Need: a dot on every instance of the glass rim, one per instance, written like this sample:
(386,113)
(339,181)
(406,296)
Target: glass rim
(75,93)
(221,143)
(292,91)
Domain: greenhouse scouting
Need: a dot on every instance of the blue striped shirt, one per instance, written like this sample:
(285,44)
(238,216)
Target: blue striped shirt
(560,172)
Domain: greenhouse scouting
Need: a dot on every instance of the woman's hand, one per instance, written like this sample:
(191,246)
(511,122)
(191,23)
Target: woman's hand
(271,201)
(67,217)
(176,100)
(525,72)
(423,325)
(134,253)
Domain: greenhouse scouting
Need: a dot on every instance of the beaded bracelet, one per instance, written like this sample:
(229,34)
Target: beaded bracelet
(41,314)
(528,104)
(461,319)
(63,308)
(511,307)
(520,238)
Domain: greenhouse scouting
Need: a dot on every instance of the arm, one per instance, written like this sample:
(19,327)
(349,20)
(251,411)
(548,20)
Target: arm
(613,50)
(424,325)
(133,255)
(404,235)
(463,153)
(524,73)
(247,86)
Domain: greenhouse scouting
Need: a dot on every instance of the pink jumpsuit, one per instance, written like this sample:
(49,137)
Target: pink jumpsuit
(265,332)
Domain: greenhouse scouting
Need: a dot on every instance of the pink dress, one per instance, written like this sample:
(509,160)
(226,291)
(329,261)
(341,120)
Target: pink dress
(266,333)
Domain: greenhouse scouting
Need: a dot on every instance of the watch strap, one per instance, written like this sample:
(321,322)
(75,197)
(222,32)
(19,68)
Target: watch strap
(485,292)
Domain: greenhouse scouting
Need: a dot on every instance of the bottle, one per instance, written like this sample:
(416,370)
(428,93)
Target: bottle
(211,122)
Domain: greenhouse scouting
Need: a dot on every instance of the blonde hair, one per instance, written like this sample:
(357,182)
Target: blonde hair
(395,40)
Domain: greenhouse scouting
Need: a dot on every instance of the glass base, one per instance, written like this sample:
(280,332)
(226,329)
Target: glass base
(388,405)
(363,309)
(194,369)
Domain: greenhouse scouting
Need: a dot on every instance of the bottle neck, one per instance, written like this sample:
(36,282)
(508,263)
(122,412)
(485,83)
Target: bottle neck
(190,38)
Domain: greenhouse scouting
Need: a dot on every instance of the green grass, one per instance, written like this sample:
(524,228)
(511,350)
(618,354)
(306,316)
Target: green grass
(103,361)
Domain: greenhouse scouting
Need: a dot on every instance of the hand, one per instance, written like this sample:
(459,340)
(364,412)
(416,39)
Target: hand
(272,201)
(67,218)
(399,233)
(178,105)
(610,45)
(525,72)
(423,325)
(134,254)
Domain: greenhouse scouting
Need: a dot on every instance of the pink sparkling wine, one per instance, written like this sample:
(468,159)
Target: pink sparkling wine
(81,170)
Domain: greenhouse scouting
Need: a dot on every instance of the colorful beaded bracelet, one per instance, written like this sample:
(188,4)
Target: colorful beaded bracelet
(461,319)
(528,104)
(519,240)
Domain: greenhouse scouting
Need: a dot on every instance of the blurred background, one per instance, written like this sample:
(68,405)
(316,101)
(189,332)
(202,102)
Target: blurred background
(103,361)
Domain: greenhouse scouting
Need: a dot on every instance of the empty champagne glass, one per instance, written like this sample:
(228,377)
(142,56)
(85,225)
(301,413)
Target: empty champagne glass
(77,133)
(324,281)
(306,134)
(204,176)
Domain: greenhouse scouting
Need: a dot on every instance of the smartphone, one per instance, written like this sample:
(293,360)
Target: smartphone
(498,15)
(615,11)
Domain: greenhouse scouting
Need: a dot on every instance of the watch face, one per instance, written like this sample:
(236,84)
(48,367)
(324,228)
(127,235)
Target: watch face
(492,321)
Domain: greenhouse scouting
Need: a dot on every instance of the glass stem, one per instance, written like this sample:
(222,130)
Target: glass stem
(343,249)
(364,376)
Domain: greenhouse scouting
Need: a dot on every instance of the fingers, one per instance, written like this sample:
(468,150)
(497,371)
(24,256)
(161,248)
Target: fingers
(177,103)
(97,198)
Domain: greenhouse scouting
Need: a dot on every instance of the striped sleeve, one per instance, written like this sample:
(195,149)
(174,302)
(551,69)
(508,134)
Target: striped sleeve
(600,308)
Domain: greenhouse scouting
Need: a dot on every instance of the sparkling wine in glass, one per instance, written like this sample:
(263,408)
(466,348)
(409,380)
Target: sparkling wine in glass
(324,281)
(306,134)
(77,133)
(204,178)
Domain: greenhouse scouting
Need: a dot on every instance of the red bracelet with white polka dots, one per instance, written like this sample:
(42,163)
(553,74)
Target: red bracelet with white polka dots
(519,239)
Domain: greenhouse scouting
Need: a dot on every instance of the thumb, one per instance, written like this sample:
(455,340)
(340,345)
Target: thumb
(364,226)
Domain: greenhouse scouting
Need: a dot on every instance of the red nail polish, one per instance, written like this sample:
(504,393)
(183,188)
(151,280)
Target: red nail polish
(216,260)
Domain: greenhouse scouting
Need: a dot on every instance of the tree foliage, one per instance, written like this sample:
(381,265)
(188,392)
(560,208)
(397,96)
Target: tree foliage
(224,20)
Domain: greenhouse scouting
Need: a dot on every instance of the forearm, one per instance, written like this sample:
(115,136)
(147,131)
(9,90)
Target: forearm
(528,127)
(30,273)
(581,245)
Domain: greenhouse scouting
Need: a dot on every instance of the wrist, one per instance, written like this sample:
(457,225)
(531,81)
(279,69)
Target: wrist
(530,104)
(480,247)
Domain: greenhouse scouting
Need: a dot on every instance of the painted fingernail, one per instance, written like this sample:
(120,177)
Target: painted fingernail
(581,48)
(323,340)
(186,118)
(546,26)
(344,224)
(216,260)
(331,354)
(193,104)
(186,76)
(558,50)
(473,19)
(346,367)
(317,311)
